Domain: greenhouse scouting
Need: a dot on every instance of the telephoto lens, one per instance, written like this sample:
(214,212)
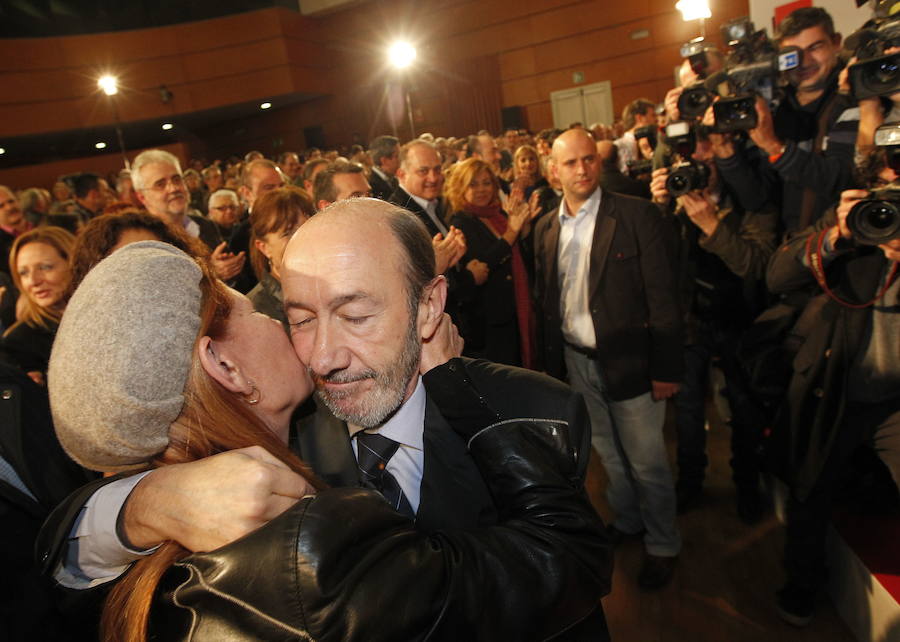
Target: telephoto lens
(686,177)
(876,219)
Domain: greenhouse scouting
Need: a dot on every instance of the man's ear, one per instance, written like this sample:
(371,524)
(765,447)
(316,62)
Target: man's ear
(431,306)
(551,167)
(321,204)
(218,365)
(140,196)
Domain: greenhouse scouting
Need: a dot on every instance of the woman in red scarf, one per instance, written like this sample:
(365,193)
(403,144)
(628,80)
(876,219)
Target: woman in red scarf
(498,323)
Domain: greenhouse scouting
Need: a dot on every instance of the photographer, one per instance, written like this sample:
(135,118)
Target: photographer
(845,389)
(808,143)
(722,255)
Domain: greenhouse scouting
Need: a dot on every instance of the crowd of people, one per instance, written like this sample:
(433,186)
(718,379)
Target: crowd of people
(434,294)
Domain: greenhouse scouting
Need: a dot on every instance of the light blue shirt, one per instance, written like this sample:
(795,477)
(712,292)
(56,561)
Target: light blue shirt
(407,428)
(576,237)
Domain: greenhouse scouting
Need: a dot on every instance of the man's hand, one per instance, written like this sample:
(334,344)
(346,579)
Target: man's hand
(226,265)
(208,503)
(664,390)
(849,198)
(480,271)
(671,103)
(658,186)
(722,143)
(441,346)
(764,132)
(700,209)
(891,250)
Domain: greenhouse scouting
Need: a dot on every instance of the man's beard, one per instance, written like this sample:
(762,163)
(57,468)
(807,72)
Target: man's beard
(378,404)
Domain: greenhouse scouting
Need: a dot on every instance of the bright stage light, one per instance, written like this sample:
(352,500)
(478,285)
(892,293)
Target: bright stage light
(401,54)
(693,9)
(167,126)
(109,85)
(100,145)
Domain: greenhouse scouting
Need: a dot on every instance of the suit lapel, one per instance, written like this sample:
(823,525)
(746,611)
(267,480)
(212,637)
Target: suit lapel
(550,253)
(453,494)
(324,444)
(604,231)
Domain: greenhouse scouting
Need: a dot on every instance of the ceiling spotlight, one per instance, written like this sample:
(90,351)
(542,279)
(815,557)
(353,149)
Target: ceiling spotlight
(167,126)
(265,105)
(693,9)
(100,145)
(401,54)
(109,85)
(2,151)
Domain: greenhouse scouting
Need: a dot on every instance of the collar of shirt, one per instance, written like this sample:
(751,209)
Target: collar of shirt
(191,227)
(590,206)
(383,176)
(407,426)
(425,205)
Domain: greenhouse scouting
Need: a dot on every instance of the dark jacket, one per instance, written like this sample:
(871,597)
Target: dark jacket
(342,565)
(268,298)
(721,277)
(460,283)
(809,421)
(488,320)
(817,163)
(633,296)
(237,239)
(28,347)
(381,188)
(30,609)
(613,180)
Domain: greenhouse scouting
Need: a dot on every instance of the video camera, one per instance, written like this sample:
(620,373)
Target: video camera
(696,98)
(876,73)
(686,175)
(754,67)
(876,219)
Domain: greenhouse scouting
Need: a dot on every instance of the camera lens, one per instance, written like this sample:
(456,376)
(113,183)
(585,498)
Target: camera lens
(880,217)
(874,221)
(886,73)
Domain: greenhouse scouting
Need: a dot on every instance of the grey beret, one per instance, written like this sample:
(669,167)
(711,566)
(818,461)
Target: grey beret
(122,354)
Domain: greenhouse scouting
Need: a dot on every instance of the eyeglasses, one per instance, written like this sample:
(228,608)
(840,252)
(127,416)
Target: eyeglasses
(162,184)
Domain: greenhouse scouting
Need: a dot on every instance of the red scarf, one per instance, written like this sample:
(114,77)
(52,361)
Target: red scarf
(494,216)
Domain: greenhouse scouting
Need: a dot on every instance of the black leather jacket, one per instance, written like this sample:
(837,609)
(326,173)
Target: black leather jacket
(342,565)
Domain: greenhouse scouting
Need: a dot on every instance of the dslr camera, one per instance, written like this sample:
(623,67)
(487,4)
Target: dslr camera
(754,67)
(876,219)
(876,73)
(686,175)
(696,98)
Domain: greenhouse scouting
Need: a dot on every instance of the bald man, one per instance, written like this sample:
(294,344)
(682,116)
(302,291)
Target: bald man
(607,300)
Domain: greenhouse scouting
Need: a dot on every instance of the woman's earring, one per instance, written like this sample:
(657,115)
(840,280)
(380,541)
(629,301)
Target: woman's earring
(253,397)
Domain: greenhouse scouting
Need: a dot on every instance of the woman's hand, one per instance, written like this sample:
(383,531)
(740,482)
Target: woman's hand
(441,346)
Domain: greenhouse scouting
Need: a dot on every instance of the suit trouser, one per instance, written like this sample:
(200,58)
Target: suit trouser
(628,435)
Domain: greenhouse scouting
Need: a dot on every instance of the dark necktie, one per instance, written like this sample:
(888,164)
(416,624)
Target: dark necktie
(372,454)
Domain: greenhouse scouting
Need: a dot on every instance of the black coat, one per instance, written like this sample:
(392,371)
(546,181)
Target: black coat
(633,296)
(28,347)
(380,187)
(489,321)
(809,422)
(343,565)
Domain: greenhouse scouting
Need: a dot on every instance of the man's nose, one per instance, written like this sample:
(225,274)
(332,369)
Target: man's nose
(328,352)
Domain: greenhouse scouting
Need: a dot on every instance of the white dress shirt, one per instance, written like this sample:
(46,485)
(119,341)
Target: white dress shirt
(576,236)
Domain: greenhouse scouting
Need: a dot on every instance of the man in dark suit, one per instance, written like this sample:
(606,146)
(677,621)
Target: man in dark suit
(611,320)
(421,180)
(611,177)
(361,297)
(385,152)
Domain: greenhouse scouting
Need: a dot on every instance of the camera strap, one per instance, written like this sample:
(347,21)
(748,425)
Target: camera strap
(814,259)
